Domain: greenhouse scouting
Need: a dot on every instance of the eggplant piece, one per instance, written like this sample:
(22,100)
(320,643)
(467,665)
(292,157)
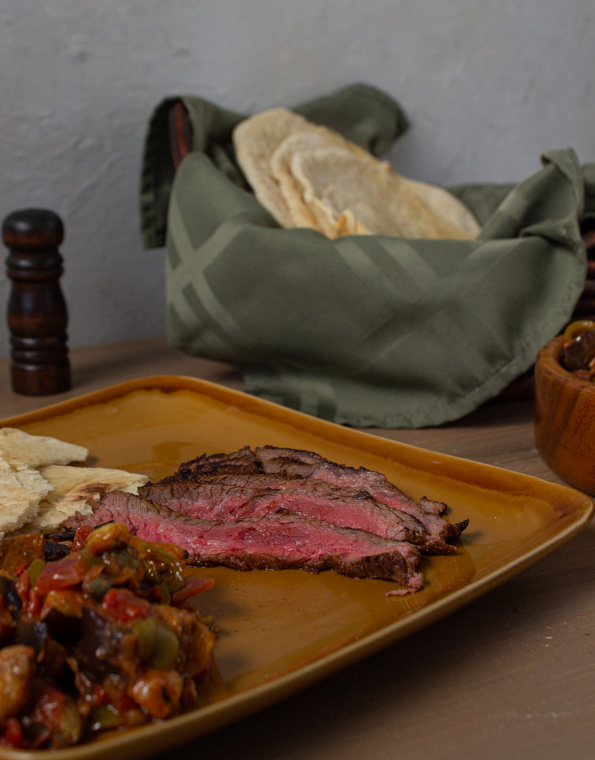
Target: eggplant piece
(50,655)
(66,629)
(101,645)
(12,600)
(53,550)
(66,535)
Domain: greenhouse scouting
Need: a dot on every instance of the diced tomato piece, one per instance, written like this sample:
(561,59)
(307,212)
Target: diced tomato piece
(13,734)
(193,585)
(81,536)
(34,603)
(23,586)
(123,605)
(49,703)
(123,703)
(62,573)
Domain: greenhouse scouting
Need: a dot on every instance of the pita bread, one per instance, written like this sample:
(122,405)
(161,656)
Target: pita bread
(280,153)
(21,492)
(445,205)
(347,192)
(22,450)
(76,489)
(309,138)
(255,140)
(348,224)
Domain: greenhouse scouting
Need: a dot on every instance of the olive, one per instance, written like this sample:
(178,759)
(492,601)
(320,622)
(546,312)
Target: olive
(157,644)
(577,328)
(103,717)
(98,587)
(580,352)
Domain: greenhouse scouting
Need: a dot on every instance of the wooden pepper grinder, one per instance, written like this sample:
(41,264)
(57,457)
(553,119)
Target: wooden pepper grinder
(37,313)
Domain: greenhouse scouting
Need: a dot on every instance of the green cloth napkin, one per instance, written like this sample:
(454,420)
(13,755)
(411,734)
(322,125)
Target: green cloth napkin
(363,330)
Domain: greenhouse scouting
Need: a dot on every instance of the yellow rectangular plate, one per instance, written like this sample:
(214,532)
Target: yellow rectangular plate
(282,631)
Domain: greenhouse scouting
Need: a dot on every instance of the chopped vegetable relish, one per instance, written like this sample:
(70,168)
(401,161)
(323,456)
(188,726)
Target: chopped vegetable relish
(96,633)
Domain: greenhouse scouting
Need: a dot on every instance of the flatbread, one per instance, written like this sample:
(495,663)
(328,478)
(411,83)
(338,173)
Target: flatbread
(445,205)
(311,137)
(344,191)
(76,489)
(255,139)
(23,451)
(21,492)
(348,192)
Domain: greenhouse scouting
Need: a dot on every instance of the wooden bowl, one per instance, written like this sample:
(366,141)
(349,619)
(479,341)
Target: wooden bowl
(564,419)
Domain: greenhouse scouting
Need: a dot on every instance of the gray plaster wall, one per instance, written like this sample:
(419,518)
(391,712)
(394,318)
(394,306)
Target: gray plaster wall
(488,85)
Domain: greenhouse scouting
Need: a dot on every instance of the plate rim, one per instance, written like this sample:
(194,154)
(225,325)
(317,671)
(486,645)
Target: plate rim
(182,728)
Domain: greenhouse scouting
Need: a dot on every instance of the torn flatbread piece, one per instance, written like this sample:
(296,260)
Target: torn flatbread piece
(21,492)
(255,139)
(307,175)
(304,140)
(22,450)
(348,192)
(76,489)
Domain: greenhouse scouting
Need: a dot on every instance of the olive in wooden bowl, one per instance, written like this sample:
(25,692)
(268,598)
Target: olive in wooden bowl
(565,405)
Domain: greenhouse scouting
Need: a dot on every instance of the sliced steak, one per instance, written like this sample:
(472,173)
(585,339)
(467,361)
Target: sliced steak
(234,497)
(278,541)
(283,468)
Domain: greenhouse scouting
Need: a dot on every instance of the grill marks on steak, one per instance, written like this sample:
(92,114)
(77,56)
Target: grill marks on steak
(359,498)
(279,541)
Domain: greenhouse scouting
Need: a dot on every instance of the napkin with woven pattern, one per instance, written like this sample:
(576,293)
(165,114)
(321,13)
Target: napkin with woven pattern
(362,330)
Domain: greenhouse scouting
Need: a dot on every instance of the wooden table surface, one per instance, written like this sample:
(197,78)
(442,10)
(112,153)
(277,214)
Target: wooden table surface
(512,675)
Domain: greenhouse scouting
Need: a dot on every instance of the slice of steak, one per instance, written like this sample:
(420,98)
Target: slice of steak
(279,541)
(441,533)
(234,497)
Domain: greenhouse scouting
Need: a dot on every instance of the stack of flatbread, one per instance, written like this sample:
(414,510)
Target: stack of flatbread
(309,176)
(42,482)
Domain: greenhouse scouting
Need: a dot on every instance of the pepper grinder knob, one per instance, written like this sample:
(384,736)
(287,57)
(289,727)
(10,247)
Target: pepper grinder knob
(37,313)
